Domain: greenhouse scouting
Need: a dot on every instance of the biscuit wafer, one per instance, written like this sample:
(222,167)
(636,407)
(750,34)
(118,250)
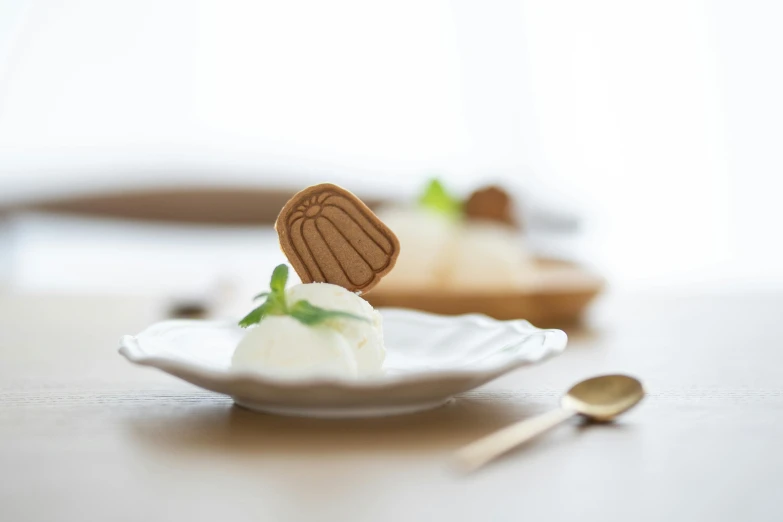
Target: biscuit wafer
(330,236)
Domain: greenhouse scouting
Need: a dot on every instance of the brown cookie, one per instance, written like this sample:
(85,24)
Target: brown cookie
(330,236)
(491,203)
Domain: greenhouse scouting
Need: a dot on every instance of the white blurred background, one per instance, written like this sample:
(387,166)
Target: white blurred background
(657,123)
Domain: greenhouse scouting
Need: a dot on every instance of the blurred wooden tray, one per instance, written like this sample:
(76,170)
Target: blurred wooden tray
(558,297)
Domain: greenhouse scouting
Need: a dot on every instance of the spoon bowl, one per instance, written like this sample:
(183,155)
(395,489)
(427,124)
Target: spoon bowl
(603,398)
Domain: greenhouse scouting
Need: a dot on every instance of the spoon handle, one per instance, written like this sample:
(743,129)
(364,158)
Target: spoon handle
(485,449)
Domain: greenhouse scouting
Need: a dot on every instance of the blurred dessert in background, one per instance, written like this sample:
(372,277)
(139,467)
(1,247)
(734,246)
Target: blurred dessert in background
(449,244)
(473,256)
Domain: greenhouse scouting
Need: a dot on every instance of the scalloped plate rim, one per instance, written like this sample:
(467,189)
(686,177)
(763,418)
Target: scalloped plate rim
(130,350)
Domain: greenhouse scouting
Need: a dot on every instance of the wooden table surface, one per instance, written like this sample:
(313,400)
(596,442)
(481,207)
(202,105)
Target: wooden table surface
(85,436)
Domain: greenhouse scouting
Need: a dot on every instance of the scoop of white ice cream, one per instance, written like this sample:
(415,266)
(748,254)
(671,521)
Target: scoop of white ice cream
(339,347)
(281,346)
(364,338)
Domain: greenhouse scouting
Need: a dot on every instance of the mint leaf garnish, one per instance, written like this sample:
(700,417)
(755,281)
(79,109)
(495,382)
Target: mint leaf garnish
(279,279)
(436,197)
(275,299)
(309,314)
(255,316)
(276,304)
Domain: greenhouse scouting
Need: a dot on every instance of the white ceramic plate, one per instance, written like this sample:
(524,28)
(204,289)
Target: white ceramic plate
(429,359)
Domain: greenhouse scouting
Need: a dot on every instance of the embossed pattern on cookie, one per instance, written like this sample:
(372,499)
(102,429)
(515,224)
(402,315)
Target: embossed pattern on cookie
(330,236)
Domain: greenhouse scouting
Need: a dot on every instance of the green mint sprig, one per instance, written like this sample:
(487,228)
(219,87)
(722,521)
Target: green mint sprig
(435,197)
(276,304)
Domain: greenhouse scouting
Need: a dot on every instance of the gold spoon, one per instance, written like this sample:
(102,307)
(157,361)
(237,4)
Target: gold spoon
(599,399)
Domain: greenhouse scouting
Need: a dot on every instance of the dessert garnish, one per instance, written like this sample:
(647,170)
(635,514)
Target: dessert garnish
(435,197)
(276,303)
(491,204)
